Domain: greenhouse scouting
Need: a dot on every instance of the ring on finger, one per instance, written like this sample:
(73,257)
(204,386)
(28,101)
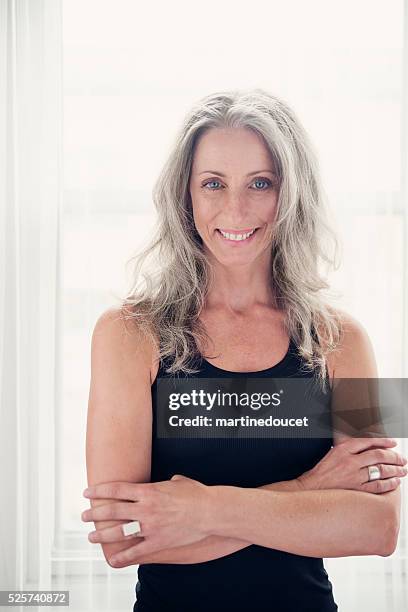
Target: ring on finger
(131,528)
(373,472)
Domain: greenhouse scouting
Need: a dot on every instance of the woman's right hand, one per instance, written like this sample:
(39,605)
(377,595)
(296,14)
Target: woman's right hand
(345,466)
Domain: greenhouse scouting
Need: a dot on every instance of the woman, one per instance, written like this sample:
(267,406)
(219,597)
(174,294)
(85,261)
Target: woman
(228,523)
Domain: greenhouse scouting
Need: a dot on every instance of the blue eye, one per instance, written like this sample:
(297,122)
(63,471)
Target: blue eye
(268,183)
(208,182)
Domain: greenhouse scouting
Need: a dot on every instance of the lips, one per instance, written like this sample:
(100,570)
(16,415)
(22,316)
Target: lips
(235,241)
(234,231)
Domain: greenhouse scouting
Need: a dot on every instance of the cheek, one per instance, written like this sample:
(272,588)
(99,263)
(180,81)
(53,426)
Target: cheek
(197,216)
(271,211)
(202,214)
(199,223)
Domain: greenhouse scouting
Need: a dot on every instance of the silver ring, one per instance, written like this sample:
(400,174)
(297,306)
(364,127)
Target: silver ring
(131,528)
(373,472)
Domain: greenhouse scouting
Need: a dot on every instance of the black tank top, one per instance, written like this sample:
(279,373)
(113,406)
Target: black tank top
(255,578)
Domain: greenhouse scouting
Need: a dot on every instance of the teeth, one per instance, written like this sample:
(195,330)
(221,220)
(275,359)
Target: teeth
(237,237)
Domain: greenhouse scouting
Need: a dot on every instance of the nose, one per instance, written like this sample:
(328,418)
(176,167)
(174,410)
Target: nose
(236,207)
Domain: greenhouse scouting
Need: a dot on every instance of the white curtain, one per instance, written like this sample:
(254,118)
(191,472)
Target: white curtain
(30,191)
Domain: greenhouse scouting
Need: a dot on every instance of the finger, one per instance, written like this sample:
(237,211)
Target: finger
(113,534)
(131,555)
(386,471)
(380,486)
(116,490)
(356,445)
(380,455)
(117,510)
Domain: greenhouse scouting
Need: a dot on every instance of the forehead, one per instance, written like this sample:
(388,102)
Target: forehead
(229,148)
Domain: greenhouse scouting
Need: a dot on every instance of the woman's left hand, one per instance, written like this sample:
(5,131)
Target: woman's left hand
(171,513)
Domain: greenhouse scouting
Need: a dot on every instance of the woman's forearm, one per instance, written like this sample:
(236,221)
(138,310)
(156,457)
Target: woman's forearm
(315,523)
(213,546)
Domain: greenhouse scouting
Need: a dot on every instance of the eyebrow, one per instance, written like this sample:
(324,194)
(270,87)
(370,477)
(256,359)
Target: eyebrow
(249,173)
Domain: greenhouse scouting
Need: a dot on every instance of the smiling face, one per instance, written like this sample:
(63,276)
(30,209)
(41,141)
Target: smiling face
(234,192)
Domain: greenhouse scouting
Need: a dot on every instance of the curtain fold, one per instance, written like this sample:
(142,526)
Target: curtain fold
(30,187)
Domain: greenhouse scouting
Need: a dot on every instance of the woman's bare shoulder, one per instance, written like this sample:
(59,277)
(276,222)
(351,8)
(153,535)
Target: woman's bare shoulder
(117,335)
(354,355)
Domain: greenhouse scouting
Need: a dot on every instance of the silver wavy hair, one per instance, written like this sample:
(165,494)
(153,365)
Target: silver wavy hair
(172,275)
